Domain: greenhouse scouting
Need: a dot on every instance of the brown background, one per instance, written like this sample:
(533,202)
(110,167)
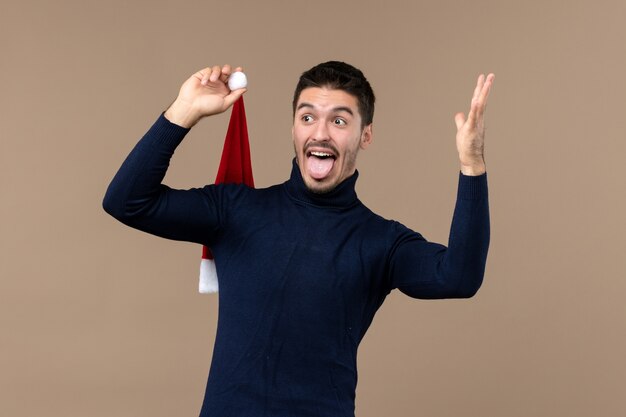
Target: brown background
(100,320)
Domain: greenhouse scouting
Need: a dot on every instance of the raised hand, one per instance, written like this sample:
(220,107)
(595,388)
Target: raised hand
(470,132)
(205,93)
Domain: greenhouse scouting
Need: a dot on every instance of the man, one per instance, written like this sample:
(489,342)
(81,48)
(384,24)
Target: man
(303,265)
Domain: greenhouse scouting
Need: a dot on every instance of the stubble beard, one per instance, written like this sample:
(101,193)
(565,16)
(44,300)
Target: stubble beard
(315,187)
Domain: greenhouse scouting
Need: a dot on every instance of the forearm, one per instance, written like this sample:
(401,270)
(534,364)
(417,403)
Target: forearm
(430,270)
(464,261)
(182,114)
(138,180)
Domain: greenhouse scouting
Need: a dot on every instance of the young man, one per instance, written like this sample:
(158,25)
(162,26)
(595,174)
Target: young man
(303,265)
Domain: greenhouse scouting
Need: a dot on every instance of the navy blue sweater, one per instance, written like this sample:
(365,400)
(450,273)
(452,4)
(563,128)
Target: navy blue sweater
(301,275)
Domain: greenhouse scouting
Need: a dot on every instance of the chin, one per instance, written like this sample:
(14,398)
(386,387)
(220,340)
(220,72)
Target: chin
(319,187)
(316,187)
(320,190)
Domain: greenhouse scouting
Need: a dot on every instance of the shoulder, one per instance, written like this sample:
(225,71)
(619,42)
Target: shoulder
(390,231)
(241,196)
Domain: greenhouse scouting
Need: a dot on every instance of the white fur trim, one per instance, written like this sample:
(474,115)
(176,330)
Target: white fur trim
(208,277)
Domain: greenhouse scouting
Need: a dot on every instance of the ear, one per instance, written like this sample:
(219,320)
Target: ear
(366,136)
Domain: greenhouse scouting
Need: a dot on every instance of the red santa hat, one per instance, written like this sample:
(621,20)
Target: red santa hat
(235,167)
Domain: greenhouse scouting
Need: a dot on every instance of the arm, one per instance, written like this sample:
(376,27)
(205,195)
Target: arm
(136,196)
(429,270)
(422,269)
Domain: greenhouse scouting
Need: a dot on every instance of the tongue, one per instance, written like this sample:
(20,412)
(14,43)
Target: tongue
(319,168)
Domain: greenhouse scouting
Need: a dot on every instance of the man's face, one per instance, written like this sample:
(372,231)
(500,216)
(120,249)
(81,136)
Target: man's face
(327,136)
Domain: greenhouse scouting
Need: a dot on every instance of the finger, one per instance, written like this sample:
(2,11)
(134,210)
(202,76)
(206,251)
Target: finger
(234,95)
(473,113)
(225,72)
(487,88)
(238,69)
(479,85)
(204,75)
(459,120)
(216,71)
(481,101)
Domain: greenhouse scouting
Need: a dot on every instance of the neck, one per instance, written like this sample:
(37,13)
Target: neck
(343,195)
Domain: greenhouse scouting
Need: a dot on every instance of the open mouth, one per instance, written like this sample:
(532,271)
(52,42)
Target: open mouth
(320,155)
(320,163)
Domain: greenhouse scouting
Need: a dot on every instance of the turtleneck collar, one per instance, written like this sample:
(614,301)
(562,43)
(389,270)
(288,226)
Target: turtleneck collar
(343,196)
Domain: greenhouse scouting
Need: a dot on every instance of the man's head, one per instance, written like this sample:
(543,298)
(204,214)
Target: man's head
(333,107)
(337,75)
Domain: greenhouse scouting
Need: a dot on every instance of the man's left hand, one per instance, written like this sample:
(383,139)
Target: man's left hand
(470,134)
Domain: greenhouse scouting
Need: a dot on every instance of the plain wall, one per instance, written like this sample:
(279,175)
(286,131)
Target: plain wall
(98,319)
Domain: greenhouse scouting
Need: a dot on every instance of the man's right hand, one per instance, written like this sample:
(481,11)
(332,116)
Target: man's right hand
(205,93)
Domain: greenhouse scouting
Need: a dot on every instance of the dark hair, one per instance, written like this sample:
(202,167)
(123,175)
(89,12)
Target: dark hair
(339,76)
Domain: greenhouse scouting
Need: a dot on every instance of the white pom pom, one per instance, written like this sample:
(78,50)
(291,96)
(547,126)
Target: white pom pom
(237,80)
(208,283)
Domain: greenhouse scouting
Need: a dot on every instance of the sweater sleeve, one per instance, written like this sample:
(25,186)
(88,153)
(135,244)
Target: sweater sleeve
(428,270)
(137,198)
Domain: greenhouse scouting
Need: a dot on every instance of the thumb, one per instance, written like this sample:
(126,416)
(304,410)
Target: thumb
(459,119)
(234,95)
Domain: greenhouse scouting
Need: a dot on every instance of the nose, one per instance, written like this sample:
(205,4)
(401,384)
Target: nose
(321,132)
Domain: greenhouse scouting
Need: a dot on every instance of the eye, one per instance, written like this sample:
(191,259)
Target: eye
(307,118)
(339,121)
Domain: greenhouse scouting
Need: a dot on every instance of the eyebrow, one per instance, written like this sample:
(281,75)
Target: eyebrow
(334,109)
